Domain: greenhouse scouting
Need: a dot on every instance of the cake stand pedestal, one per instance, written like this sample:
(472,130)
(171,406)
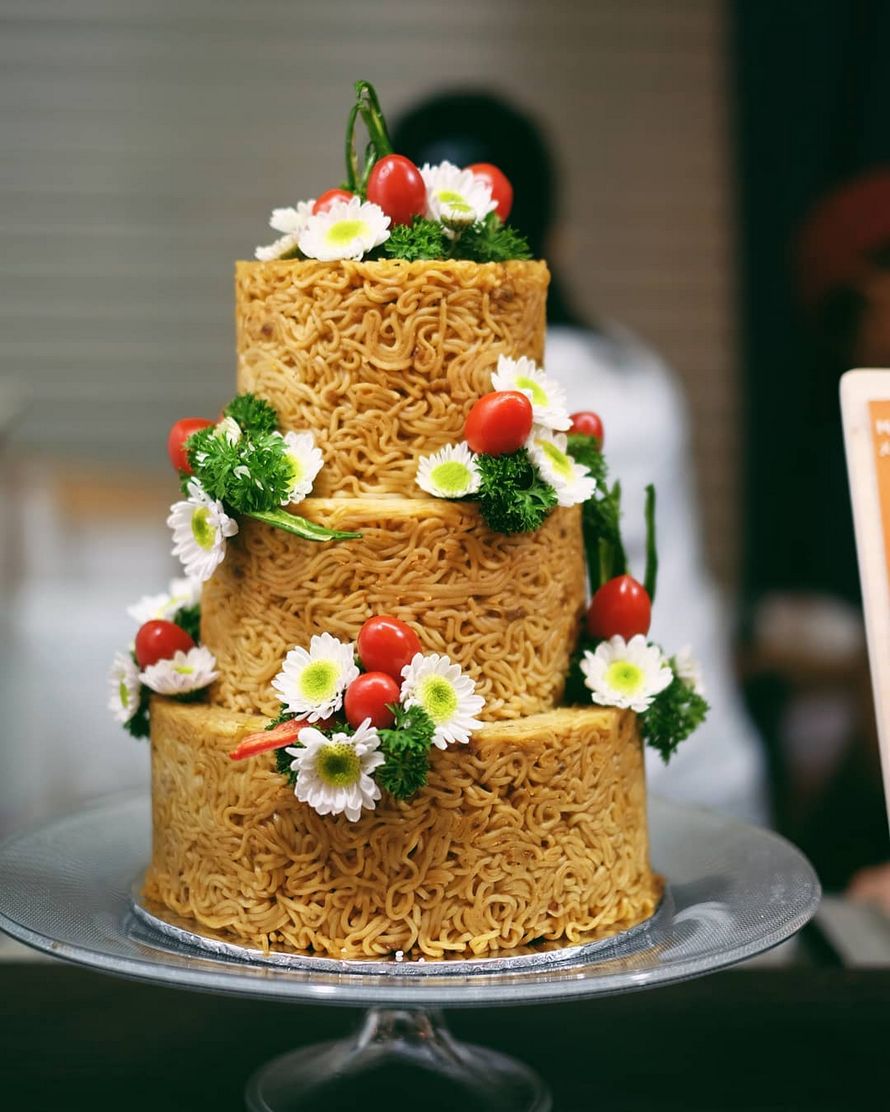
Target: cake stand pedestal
(732,891)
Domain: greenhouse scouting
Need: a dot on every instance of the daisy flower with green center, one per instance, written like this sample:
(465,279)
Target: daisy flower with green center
(449,697)
(549,408)
(347,230)
(455,197)
(291,222)
(182,673)
(305,463)
(311,683)
(627,674)
(123,688)
(200,527)
(572,481)
(451,472)
(334,774)
(182,593)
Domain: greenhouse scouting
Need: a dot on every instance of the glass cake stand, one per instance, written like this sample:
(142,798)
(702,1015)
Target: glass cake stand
(70,889)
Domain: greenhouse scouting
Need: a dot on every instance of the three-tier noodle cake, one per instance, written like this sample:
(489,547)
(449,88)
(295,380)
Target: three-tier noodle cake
(469,810)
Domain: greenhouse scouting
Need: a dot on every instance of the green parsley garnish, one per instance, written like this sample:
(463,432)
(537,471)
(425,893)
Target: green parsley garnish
(673,715)
(406,747)
(253,414)
(421,239)
(282,763)
(486,241)
(513,498)
(253,474)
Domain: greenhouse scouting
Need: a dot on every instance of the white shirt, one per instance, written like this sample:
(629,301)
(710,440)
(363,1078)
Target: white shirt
(646,440)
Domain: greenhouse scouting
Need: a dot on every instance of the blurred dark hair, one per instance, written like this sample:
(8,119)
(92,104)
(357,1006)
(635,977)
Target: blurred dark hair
(476,126)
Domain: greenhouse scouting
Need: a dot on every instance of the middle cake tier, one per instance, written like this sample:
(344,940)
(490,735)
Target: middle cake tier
(507,609)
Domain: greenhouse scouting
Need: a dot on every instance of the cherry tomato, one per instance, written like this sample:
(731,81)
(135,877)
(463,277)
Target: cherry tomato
(331,197)
(499,423)
(159,640)
(177,437)
(497,182)
(589,424)
(367,697)
(396,185)
(621,606)
(385,644)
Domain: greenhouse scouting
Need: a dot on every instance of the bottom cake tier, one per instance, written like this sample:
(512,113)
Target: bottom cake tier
(534,831)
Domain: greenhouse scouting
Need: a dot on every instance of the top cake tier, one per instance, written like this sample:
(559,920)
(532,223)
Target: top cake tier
(381,361)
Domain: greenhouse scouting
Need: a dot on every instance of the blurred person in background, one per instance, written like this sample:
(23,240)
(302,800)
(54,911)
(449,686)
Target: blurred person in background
(842,272)
(606,369)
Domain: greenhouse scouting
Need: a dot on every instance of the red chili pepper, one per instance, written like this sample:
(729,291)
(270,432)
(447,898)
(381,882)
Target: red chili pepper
(264,740)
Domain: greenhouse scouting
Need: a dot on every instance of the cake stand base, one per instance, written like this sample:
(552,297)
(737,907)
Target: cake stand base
(397,1051)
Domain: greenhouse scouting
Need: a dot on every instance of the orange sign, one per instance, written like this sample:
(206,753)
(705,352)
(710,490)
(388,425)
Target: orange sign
(879,414)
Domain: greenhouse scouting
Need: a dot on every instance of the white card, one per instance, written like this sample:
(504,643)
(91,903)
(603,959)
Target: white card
(865,407)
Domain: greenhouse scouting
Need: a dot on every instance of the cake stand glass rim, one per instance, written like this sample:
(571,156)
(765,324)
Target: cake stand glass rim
(87,864)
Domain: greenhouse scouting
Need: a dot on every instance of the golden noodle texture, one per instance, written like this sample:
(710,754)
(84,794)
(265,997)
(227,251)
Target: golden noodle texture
(534,830)
(507,609)
(381,360)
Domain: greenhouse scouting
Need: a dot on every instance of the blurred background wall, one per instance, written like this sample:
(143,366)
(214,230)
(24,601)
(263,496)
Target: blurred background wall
(145,142)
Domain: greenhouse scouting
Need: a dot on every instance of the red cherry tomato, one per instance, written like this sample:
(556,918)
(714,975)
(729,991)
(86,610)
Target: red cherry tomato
(589,424)
(331,197)
(497,182)
(385,644)
(368,696)
(396,185)
(159,640)
(621,606)
(177,437)
(499,423)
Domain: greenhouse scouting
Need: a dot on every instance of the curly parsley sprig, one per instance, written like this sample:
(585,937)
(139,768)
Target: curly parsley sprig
(513,498)
(672,717)
(406,746)
(486,241)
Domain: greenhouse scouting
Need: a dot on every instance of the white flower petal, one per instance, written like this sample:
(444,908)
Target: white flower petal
(345,796)
(689,670)
(549,407)
(347,230)
(572,482)
(200,527)
(626,673)
(448,696)
(306,460)
(282,246)
(454,196)
(183,673)
(452,472)
(311,683)
(123,688)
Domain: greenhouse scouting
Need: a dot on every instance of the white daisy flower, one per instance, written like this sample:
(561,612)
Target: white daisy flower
(455,197)
(181,593)
(293,219)
(348,230)
(306,462)
(451,472)
(182,672)
(549,408)
(626,673)
(445,693)
(572,482)
(689,670)
(123,688)
(290,221)
(200,526)
(334,774)
(229,428)
(312,683)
